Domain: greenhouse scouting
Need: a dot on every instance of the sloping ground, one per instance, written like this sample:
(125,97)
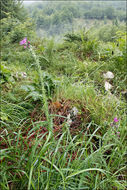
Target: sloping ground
(65,113)
(85,148)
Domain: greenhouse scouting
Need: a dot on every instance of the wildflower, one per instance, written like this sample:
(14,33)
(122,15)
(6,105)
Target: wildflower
(23,74)
(23,41)
(116,120)
(108,75)
(69,121)
(108,86)
(75,111)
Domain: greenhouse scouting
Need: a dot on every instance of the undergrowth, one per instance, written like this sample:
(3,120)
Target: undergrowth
(60,128)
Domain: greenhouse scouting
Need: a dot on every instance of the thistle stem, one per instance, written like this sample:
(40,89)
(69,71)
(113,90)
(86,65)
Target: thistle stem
(44,99)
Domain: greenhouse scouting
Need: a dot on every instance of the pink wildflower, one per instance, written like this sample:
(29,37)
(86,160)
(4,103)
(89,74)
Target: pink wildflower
(24,47)
(116,120)
(23,41)
(28,42)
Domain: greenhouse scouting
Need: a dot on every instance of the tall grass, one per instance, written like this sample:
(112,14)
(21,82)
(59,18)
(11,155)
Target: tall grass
(35,157)
(64,163)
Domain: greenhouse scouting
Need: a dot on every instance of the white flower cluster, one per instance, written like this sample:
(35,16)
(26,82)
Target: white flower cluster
(71,115)
(21,74)
(108,75)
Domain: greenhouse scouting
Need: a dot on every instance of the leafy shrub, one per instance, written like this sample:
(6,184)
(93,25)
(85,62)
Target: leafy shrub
(34,91)
(75,37)
(5,73)
(90,47)
(108,33)
(49,83)
(21,56)
(16,29)
(21,30)
(7,25)
(82,44)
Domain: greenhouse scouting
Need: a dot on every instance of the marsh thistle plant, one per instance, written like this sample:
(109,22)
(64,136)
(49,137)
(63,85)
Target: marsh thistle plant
(26,44)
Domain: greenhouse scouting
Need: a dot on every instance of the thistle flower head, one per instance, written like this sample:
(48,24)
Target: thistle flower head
(116,120)
(23,41)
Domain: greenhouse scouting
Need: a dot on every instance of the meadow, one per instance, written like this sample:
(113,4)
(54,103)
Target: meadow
(63,108)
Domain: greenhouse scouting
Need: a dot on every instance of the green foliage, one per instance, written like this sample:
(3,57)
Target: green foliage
(14,8)
(90,47)
(82,44)
(15,29)
(34,91)
(104,11)
(5,74)
(39,148)
(49,51)
(54,18)
(21,30)
(64,172)
(43,21)
(114,52)
(121,57)
(49,83)
(75,37)
(7,25)
(31,92)
(108,33)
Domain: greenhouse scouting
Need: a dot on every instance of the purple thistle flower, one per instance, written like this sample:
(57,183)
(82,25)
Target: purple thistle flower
(23,41)
(116,120)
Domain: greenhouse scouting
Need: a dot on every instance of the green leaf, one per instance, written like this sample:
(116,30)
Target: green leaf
(86,170)
(27,88)
(34,95)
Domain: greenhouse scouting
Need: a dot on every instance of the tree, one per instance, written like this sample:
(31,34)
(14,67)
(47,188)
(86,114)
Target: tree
(110,13)
(13,7)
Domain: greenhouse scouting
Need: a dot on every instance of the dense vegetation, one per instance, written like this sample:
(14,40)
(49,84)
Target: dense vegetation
(63,104)
(53,18)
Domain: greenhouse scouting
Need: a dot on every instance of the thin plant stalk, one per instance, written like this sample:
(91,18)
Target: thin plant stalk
(44,99)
